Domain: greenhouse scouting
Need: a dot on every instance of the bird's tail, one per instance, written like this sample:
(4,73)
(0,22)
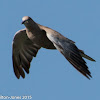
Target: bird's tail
(86,56)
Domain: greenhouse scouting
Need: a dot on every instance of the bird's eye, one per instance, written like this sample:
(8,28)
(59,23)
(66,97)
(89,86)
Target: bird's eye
(26,21)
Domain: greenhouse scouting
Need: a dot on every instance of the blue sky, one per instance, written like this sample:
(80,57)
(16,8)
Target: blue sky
(51,76)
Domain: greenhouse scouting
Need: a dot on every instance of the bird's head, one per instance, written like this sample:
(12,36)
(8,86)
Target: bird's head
(30,23)
(26,20)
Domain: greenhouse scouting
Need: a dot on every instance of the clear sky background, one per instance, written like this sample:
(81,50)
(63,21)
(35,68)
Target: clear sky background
(51,76)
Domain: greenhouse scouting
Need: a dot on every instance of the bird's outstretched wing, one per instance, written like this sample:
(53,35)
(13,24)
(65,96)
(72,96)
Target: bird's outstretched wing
(70,51)
(23,50)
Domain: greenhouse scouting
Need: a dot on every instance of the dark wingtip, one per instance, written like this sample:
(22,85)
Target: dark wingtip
(94,60)
(89,76)
(23,76)
(18,77)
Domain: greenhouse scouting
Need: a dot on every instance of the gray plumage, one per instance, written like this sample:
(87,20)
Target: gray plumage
(28,41)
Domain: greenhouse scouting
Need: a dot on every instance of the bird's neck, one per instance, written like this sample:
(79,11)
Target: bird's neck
(34,28)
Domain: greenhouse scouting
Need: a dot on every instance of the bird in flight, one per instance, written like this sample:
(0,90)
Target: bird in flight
(28,41)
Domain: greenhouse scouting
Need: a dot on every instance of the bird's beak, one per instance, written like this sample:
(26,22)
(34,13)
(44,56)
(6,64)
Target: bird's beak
(23,22)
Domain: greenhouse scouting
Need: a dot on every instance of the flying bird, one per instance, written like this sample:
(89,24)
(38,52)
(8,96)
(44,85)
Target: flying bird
(27,42)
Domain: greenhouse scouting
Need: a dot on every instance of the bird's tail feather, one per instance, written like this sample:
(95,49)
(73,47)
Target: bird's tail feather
(86,56)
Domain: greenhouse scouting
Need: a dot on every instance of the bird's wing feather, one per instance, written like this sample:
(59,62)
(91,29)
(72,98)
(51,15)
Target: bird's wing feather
(70,52)
(86,56)
(23,50)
